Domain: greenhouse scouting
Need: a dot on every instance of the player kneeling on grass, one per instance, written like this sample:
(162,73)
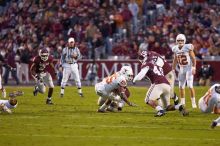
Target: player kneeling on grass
(11,103)
(41,75)
(116,82)
(117,103)
(210,102)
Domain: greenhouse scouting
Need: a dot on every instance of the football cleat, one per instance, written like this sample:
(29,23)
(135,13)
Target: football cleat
(183,111)
(49,102)
(214,124)
(81,94)
(100,111)
(119,108)
(61,95)
(160,113)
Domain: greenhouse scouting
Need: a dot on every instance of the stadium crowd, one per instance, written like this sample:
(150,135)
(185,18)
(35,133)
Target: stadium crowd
(108,27)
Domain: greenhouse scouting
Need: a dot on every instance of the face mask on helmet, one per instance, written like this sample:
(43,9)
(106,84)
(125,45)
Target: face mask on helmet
(180,39)
(44,54)
(13,101)
(217,89)
(142,57)
(127,72)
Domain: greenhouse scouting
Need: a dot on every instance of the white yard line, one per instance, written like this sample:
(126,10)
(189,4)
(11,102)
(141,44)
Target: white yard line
(112,137)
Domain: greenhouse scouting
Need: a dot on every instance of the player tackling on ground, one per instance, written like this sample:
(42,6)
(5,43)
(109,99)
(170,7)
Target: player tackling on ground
(114,85)
(11,103)
(41,75)
(185,58)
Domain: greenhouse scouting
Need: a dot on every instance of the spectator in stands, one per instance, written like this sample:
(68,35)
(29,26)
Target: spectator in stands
(44,23)
(133,7)
(144,45)
(25,56)
(12,67)
(205,74)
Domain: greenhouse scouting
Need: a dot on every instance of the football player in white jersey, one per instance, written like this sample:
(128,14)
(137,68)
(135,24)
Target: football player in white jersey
(185,58)
(11,103)
(111,86)
(210,102)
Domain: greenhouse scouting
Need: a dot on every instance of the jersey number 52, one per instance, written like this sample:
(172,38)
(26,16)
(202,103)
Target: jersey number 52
(182,59)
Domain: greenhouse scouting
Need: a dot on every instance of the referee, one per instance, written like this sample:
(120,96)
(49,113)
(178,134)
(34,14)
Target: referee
(70,56)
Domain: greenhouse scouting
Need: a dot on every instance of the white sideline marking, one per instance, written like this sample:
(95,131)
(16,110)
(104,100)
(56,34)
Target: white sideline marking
(112,137)
(99,126)
(108,126)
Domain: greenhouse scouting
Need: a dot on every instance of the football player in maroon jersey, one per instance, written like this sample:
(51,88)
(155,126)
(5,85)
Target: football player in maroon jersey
(158,60)
(159,89)
(39,70)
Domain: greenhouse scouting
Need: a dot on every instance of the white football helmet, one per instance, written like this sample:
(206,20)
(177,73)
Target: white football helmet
(44,54)
(180,39)
(127,72)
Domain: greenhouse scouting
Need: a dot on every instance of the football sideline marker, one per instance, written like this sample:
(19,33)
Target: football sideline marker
(112,137)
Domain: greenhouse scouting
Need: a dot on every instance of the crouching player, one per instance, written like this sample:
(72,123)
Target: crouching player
(41,75)
(11,103)
(112,86)
(210,102)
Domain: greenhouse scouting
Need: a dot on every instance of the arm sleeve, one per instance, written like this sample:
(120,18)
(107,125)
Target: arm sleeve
(79,56)
(62,56)
(141,74)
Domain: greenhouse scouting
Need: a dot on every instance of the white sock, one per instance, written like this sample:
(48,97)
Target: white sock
(183,101)
(62,91)
(103,107)
(177,106)
(158,108)
(193,100)
(79,90)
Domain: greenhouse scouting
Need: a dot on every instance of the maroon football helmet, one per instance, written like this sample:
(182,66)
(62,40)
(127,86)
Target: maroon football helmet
(44,54)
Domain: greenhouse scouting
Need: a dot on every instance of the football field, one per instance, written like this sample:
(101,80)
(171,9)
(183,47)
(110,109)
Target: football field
(73,121)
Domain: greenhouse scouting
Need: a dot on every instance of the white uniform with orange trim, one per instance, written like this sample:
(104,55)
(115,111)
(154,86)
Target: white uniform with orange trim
(209,100)
(6,106)
(185,63)
(105,89)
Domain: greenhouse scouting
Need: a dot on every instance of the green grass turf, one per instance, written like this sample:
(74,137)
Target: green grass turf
(73,121)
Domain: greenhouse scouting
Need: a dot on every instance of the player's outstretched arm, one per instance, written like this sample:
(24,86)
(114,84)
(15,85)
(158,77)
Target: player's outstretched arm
(141,74)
